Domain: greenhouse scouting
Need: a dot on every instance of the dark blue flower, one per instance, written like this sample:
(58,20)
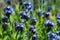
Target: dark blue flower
(27,16)
(58,16)
(23,20)
(19,26)
(8,10)
(51,36)
(27,3)
(58,21)
(20,1)
(32,29)
(39,14)
(46,14)
(9,2)
(28,6)
(4,26)
(49,8)
(33,21)
(34,37)
(58,34)
(5,19)
(8,13)
(24,15)
(49,23)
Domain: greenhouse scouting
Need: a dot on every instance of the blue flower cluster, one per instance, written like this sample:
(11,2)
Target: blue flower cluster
(49,24)
(33,21)
(4,26)
(28,6)
(49,8)
(34,37)
(24,16)
(58,19)
(8,10)
(46,14)
(53,36)
(19,27)
(9,2)
(32,29)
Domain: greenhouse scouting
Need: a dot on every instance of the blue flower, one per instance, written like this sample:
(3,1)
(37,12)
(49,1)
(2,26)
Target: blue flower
(33,21)
(5,19)
(49,8)
(24,15)
(28,6)
(27,3)
(19,26)
(46,14)
(8,13)
(32,29)
(8,10)
(39,14)
(34,37)
(58,34)
(20,1)
(58,16)
(58,21)
(9,2)
(23,20)
(4,26)
(49,23)
(51,36)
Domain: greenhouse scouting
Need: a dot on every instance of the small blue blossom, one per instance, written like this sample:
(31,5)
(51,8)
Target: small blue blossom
(5,19)
(51,36)
(9,2)
(34,37)
(39,14)
(33,21)
(58,16)
(58,34)
(24,16)
(32,29)
(49,8)
(8,10)
(46,14)
(4,26)
(19,26)
(49,23)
